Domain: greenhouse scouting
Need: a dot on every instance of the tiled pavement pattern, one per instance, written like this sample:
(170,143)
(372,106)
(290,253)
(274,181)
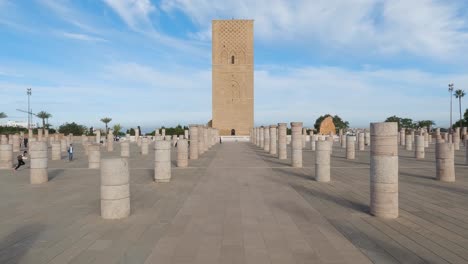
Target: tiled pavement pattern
(236,204)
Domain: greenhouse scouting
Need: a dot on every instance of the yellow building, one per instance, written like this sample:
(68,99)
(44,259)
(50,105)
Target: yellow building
(232,76)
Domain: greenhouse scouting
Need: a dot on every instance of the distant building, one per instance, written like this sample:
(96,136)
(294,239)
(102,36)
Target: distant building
(11,123)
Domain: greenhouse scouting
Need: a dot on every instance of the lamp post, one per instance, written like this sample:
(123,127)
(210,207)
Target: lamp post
(29,108)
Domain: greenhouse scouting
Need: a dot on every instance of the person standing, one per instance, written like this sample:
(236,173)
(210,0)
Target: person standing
(21,159)
(70,152)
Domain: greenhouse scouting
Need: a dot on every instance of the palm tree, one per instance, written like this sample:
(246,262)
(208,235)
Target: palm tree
(43,115)
(3,115)
(106,121)
(459,94)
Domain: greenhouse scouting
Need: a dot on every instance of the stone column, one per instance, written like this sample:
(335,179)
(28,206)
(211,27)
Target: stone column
(39,134)
(350,147)
(296,144)
(4,140)
(94,156)
(162,164)
(125,149)
(273,148)
(282,151)
(206,143)
(466,151)
(193,129)
(456,139)
(46,133)
(445,167)
(402,137)
(343,141)
(98,136)
(313,141)
(322,161)
(186,133)
(419,147)
(174,140)
(361,145)
(30,134)
(201,140)
(110,142)
(262,137)
(426,139)
(115,188)
(63,145)
(6,156)
(56,154)
(384,170)
(16,143)
(408,143)
(304,137)
(182,153)
(144,146)
(266,138)
(163,132)
(38,155)
(258,137)
(367,138)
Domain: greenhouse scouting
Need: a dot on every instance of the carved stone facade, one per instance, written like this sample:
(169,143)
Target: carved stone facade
(232,76)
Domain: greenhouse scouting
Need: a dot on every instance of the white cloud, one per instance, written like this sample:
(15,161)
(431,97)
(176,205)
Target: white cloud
(82,37)
(135,13)
(422,27)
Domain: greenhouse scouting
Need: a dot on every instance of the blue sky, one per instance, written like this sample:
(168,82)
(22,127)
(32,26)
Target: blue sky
(148,63)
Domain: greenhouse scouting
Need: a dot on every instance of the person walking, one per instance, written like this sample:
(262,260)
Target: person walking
(70,152)
(21,159)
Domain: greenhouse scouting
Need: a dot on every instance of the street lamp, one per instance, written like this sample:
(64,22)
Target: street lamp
(450,89)
(29,109)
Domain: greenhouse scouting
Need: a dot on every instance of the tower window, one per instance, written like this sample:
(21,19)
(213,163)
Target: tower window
(232,60)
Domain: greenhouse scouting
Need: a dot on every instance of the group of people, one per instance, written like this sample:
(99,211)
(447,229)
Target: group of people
(22,157)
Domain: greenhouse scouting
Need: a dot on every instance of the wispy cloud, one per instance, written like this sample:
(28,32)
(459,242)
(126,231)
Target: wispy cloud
(82,37)
(135,13)
(422,27)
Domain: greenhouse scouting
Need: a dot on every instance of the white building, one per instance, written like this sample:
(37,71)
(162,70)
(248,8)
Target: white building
(11,123)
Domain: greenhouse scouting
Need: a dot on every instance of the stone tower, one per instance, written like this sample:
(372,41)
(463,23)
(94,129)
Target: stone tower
(232,76)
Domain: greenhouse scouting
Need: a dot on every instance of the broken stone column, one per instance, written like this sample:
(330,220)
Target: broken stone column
(98,136)
(408,143)
(163,132)
(168,138)
(125,149)
(322,161)
(182,153)
(4,140)
(174,140)
(56,154)
(426,139)
(367,138)
(186,134)
(94,156)
(144,146)
(6,156)
(402,137)
(419,147)
(384,170)
(39,134)
(38,155)
(63,145)
(30,134)
(282,150)
(445,167)
(361,144)
(206,142)
(456,139)
(201,140)
(162,161)
(115,188)
(343,141)
(266,138)
(273,147)
(46,133)
(350,147)
(313,141)
(304,137)
(193,129)
(110,142)
(296,144)
(16,143)
(262,137)
(466,151)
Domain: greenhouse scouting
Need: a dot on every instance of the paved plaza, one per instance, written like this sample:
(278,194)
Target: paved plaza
(235,204)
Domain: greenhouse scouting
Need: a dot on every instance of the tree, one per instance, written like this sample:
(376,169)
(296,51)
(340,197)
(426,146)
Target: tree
(464,120)
(459,94)
(72,128)
(117,128)
(424,123)
(106,120)
(3,115)
(44,115)
(339,123)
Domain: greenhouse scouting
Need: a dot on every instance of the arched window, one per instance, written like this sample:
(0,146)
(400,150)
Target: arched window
(233,60)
